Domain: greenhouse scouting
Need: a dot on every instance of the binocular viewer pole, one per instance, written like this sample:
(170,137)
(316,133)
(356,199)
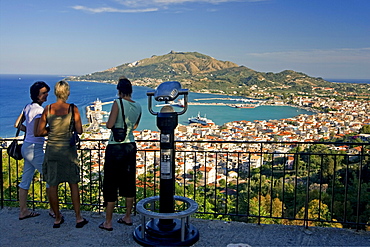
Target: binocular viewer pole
(165,227)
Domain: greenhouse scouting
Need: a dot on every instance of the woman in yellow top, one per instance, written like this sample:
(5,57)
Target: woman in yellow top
(60,161)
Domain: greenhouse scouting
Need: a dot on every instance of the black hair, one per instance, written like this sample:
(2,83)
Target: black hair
(35,90)
(124,86)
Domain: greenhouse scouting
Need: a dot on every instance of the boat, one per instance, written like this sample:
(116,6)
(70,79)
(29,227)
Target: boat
(201,120)
(179,103)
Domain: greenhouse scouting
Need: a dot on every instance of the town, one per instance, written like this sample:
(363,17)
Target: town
(343,118)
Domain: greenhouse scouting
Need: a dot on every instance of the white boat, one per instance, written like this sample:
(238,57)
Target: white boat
(179,103)
(201,120)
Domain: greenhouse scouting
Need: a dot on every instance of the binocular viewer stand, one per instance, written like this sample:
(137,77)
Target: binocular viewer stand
(166,227)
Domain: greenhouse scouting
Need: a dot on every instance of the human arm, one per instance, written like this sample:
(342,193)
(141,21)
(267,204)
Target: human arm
(36,124)
(40,124)
(21,118)
(112,116)
(78,123)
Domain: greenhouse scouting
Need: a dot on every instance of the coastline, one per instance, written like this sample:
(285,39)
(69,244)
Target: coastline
(84,95)
(89,108)
(202,91)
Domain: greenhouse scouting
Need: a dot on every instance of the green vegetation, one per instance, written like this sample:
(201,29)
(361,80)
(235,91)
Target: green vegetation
(365,129)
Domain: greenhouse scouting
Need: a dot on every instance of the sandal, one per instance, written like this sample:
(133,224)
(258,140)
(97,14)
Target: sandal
(30,215)
(82,223)
(121,221)
(52,215)
(57,225)
(101,226)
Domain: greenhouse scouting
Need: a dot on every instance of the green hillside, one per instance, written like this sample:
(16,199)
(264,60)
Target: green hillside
(199,72)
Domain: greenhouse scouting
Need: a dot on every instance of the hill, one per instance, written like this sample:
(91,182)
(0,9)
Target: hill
(199,72)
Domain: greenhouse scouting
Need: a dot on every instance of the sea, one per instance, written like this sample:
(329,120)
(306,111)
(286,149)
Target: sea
(14,95)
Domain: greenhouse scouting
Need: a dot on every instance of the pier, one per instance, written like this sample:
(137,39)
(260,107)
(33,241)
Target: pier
(226,104)
(240,99)
(95,113)
(246,103)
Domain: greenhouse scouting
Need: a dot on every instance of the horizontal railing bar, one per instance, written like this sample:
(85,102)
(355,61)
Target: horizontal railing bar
(335,180)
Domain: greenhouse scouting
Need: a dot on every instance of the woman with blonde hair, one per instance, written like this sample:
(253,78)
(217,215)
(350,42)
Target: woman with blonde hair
(60,162)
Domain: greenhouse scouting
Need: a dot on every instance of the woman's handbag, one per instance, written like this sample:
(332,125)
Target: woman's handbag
(75,139)
(15,150)
(119,134)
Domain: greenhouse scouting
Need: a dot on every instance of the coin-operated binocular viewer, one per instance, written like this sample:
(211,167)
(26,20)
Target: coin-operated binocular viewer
(166,227)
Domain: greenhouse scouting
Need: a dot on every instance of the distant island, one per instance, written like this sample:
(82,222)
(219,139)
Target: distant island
(205,74)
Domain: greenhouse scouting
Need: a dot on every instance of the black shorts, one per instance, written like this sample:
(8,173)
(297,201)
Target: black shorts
(119,171)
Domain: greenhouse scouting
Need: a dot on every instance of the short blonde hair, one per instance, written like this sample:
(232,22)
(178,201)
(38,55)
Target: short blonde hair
(61,90)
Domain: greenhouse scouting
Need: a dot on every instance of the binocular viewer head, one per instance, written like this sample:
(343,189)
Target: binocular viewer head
(167,91)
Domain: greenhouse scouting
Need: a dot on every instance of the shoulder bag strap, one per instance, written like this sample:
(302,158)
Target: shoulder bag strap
(123,114)
(20,124)
(72,123)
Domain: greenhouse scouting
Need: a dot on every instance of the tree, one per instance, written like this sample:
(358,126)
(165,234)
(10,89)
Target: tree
(316,211)
(265,206)
(322,160)
(365,129)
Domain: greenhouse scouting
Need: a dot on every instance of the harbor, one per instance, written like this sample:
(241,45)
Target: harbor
(97,115)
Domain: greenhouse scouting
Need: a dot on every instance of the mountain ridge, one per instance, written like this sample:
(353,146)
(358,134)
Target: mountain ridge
(197,72)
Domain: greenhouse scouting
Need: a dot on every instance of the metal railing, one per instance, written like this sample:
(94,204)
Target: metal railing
(292,183)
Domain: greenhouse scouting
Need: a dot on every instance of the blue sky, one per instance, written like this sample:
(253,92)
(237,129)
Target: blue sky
(323,38)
